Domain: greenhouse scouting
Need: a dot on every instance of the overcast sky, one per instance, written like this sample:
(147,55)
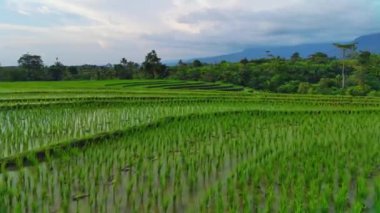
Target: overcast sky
(102,31)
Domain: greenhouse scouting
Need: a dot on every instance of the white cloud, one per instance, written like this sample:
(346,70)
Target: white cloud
(235,24)
(111,29)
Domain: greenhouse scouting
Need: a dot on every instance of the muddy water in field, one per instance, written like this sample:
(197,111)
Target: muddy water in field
(25,130)
(157,169)
(176,166)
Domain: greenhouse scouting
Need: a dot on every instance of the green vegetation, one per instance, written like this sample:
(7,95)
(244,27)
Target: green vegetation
(185,146)
(317,74)
(355,74)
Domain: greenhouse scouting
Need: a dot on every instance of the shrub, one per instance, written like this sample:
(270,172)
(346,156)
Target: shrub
(374,93)
(290,87)
(360,90)
(304,87)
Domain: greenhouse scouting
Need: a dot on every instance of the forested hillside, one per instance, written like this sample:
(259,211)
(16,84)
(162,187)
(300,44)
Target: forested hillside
(316,74)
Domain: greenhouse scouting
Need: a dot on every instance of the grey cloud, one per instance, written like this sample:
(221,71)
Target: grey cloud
(231,29)
(130,28)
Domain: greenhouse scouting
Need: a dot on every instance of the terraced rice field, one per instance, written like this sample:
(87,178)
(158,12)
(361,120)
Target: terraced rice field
(173,146)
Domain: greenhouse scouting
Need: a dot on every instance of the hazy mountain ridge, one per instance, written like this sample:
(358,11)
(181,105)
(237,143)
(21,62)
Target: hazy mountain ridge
(365,43)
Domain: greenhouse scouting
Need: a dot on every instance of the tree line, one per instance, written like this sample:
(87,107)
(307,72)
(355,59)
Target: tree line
(316,74)
(357,74)
(31,68)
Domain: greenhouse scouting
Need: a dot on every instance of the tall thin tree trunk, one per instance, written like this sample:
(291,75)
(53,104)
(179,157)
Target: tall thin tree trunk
(343,76)
(343,70)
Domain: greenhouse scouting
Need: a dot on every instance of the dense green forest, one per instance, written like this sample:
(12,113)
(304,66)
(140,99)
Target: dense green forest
(317,74)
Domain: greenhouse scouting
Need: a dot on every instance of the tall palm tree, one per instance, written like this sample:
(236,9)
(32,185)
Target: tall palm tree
(345,48)
(123,61)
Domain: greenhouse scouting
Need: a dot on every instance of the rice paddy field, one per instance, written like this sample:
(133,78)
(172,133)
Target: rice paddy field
(175,146)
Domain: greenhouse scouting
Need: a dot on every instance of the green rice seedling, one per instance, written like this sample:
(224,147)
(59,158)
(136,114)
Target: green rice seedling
(145,150)
(362,189)
(377,194)
(358,207)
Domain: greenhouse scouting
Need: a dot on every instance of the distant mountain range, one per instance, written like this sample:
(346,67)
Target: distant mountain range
(365,43)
